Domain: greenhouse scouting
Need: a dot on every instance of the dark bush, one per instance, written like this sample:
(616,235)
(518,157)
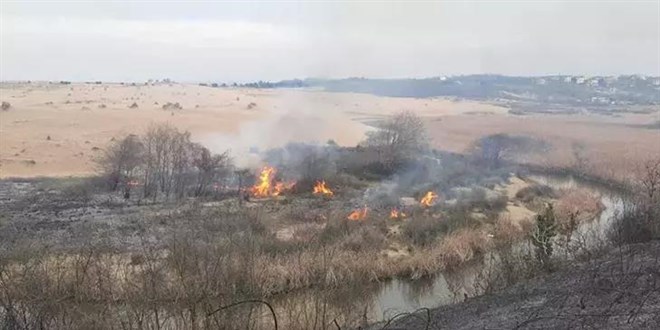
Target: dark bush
(533,192)
(423,230)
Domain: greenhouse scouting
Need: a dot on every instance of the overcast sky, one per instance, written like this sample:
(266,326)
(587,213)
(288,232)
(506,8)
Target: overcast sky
(243,41)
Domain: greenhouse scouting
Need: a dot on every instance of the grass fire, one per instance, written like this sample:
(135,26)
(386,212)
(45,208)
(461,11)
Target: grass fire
(428,199)
(267,186)
(197,195)
(321,189)
(396,214)
(358,214)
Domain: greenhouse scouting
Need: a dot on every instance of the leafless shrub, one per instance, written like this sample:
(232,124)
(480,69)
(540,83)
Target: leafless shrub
(423,230)
(121,161)
(6,105)
(492,150)
(398,139)
(211,169)
(640,220)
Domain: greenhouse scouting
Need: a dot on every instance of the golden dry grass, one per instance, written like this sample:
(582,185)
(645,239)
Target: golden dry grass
(80,118)
(613,147)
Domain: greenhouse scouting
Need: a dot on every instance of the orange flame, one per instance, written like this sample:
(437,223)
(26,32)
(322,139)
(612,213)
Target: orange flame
(321,189)
(396,214)
(358,214)
(267,185)
(263,188)
(429,199)
(281,187)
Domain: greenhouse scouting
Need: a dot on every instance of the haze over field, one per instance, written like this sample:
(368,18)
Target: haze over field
(81,119)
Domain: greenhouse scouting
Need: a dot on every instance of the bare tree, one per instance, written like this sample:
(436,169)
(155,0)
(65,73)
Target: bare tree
(399,138)
(210,168)
(493,149)
(121,162)
(166,160)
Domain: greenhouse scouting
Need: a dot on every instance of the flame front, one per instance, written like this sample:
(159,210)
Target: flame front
(263,188)
(396,214)
(429,199)
(267,185)
(321,189)
(358,214)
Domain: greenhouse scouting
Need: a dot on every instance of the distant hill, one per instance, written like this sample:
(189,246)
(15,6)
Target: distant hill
(559,90)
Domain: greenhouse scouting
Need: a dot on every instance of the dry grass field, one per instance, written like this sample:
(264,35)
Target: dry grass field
(58,130)
(610,147)
(81,119)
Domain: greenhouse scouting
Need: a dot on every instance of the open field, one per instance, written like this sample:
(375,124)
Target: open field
(82,118)
(604,146)
(212,231)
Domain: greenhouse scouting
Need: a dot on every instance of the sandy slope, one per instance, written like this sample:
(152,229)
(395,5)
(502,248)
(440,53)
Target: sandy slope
(79,126)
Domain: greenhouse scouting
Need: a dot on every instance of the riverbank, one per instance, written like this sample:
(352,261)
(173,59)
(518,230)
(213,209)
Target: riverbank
(620,289)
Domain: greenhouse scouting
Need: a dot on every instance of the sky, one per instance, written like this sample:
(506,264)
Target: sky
(243,41)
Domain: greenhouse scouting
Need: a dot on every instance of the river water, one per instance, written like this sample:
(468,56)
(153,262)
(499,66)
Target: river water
(381,301)
(398,296)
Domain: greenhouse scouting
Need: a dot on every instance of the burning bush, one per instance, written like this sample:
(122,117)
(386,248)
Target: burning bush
(267,186)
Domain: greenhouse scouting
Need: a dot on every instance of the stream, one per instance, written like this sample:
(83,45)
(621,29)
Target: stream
(381,301)
(397,296)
